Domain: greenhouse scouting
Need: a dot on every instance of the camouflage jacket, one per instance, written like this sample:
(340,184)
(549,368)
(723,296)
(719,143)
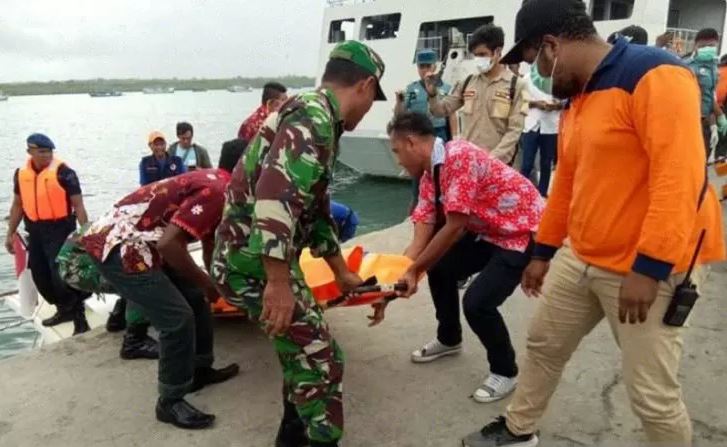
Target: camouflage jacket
(277,202)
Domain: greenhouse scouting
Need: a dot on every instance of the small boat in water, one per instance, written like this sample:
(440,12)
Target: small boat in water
(158,90)
(3,97)
(104,94)
(239,89)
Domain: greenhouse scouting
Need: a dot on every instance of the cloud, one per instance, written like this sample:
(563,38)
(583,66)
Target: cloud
(75,39)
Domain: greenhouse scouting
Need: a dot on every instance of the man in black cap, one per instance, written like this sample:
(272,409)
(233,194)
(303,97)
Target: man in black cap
(624,216)
(48,198)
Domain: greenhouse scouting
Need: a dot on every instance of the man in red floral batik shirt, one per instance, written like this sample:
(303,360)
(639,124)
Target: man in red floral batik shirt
(274,95)
(140,247)
(475,215)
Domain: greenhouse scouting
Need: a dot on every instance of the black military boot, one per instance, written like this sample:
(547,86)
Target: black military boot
(80,324)
(138,345)
(292,430)
(117,318)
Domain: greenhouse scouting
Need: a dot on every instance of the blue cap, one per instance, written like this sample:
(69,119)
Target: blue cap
(426,57)
(40,140)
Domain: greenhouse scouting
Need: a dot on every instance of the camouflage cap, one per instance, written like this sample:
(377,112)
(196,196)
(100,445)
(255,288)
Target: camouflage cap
(364,57)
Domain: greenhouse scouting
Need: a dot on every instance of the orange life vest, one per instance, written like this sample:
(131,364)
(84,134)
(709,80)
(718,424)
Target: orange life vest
(42,195)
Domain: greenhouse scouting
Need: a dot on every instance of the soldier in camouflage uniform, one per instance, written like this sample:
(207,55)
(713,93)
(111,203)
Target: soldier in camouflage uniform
(278,204)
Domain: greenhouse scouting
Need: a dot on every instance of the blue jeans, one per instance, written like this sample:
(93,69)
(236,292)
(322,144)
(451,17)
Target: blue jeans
(547,144)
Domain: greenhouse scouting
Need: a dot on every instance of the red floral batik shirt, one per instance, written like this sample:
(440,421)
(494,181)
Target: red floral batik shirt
(191,201)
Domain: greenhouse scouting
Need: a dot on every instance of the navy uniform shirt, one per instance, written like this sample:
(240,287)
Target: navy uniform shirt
(152,170)
(416,99)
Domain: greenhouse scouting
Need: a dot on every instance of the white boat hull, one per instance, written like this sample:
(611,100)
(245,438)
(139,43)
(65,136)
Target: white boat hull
(369,153)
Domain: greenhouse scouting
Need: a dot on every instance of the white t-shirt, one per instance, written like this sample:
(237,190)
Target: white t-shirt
(536,119)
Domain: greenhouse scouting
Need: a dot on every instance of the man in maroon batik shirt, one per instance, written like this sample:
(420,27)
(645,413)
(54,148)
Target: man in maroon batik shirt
(141,250)
(274,95)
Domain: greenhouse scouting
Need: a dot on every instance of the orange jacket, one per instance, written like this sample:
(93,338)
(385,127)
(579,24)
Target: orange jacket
(722,87)
(630,191)
(41,193)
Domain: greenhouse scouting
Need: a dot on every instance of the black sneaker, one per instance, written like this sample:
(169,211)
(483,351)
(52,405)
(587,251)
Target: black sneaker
(496,434)
(134,347)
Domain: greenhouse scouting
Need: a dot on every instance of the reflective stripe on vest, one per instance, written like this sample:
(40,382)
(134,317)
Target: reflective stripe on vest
(42,195)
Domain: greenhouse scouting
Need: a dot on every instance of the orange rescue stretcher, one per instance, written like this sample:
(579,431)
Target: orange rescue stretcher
(380,273)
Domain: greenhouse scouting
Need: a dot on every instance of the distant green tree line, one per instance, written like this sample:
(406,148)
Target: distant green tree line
(135,85)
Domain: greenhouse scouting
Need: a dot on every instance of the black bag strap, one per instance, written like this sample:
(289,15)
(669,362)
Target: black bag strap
(440,217)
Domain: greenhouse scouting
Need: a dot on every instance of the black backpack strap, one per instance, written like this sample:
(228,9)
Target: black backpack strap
(440,217)
(513,92)
(513,88)
(466,83)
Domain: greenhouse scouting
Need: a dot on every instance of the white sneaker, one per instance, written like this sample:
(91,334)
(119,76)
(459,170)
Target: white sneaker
(494,388)
(434,350)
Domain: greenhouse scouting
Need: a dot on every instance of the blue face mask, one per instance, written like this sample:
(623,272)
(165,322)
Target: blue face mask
(542,83)
(706,54)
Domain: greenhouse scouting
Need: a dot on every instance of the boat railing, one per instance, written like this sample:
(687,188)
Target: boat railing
(347,2)
(683,39)
(431,43)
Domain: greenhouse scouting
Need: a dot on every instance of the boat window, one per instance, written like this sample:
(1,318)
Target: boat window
(380,27)
(611,9)
(448,34)
(341,30)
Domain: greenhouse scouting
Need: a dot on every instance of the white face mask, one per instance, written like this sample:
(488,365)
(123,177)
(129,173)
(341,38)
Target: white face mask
(484,64)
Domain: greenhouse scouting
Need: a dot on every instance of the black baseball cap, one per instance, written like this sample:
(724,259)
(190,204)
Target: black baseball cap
(537,18)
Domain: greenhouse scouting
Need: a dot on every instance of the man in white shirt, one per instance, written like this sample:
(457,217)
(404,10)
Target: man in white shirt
(540,131)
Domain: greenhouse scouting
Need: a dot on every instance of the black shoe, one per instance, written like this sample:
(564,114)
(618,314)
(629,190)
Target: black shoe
(180,413)
(117,318)
(292,430)
(80,324)
(209,376)
(58,318)
(291,434)
(496,434)
(134,347)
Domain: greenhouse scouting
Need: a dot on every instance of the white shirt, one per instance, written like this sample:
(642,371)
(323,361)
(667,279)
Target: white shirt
(546,122)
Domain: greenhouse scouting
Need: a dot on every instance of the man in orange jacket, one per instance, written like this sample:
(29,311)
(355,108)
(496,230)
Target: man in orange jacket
(48,197)
(628,204)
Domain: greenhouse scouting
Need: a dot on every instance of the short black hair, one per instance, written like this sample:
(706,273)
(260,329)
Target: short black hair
(491,36)
(231,153)
(344,73)
(707,34)
(272,90)
(184,127)
(411,123)
(577,26)
(637,34)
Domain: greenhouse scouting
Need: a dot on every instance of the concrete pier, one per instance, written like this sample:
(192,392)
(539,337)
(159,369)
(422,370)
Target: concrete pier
(80,393)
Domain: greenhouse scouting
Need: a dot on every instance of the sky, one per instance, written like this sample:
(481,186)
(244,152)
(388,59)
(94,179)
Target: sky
(42,40)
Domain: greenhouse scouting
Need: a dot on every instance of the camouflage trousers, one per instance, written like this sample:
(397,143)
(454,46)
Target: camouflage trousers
(311,359)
